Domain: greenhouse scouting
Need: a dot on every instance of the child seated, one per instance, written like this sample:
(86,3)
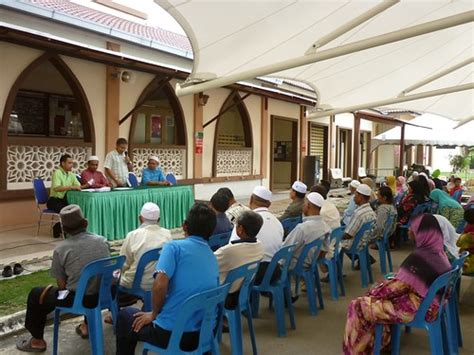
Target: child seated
(466,241)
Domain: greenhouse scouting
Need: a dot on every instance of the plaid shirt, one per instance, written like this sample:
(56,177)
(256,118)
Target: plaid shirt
(362,215)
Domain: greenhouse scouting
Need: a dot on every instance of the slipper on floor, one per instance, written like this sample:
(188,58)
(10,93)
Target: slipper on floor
(25,345)
(80,333)
(17,269)
(7,271)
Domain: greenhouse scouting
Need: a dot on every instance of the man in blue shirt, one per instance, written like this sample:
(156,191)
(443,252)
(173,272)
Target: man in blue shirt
(185,267)
(152,175)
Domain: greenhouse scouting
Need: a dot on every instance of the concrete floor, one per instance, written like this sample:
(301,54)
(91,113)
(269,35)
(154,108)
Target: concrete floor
(321,334)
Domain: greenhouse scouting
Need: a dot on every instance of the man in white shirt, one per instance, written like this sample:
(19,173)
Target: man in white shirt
(329,211)
(240,252)
(149,235)
(312,228)
(117,164)
(271,233)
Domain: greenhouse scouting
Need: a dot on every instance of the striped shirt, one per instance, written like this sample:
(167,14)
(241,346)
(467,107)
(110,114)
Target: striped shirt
(116,162)
(363,214)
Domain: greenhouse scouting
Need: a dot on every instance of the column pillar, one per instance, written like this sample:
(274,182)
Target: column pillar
(198,137)
(303,139)
(112,102)
(264,149)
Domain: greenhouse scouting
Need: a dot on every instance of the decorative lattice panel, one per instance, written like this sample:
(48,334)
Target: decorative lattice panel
(171,160)
(234,162)
(25,162)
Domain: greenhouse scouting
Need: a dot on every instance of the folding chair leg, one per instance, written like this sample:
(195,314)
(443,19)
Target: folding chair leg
(382,259)
(94,323)
(290,306)
(313,309)
(363,269)
(251,329)
(317,284)
(57,314)
(235,331)
(378,339)
(280,313)
(389,257)
(436,339)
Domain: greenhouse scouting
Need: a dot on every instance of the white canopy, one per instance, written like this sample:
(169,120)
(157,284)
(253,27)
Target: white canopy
(238,40)
(441,134)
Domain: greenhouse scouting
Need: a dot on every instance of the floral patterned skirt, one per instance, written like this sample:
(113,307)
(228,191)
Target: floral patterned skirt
(392,301)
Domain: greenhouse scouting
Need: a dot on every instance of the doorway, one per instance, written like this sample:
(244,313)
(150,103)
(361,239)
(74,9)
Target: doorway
(344,150)
(284,138)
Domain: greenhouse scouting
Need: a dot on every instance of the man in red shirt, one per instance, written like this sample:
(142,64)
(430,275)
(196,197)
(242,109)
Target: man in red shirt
(91,177)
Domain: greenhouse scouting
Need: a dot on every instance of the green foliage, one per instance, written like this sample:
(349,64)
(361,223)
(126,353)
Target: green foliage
(14,292)
(459,162)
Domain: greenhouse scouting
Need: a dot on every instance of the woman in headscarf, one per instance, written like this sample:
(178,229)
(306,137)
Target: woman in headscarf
(448,207)
(398,300)
(450,237)
(401,189)
(425,185)
(391,181)
(413,197)
(431,184)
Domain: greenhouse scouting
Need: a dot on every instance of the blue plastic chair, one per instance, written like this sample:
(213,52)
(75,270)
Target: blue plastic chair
(462,224)
(310,275)
(290,223)
(440,288)
(136,290)
(454,323)
(246,273)
(79,178)
(206,303)
(132,180)
(334,266)
(279,289)
(219,240)
(384,246)
(171,178)
(363,255)
(457,195)
(41,197)
(102,271)
(419,209)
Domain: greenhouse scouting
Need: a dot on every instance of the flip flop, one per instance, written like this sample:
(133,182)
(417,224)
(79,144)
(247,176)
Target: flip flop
(25,345)
(17,269)
(80,333)
(7,271)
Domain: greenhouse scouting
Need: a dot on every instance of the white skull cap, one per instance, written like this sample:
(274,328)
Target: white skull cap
(150,211)
(298,186)
(262,192)
(315,199)
(364,189)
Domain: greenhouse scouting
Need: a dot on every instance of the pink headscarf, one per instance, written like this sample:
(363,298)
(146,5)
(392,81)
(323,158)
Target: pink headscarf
(429,260)
(401,184)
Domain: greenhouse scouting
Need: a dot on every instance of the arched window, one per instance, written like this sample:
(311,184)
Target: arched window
(46,115)
(158,128)
(233,139)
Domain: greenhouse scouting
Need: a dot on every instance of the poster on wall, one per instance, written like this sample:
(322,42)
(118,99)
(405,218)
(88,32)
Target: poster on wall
(156,126)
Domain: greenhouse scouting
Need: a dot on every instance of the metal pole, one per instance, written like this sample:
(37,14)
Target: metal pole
(357,46)
(437,76)
(394,100)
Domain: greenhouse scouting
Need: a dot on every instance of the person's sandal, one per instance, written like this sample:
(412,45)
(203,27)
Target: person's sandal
(25,345)
(17,269)
(7,271)
(80,333)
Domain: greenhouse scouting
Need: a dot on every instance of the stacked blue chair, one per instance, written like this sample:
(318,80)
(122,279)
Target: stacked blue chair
(246,274)
(219,240)
(101,270)
(384,246)
(171,179)
(279,289)
(310,275)
(132,180)
(290,223)
(363,255)
(136,290)
(454,323)
(440,289)
(41,197)
(462,224)
(334,265)
(211,305)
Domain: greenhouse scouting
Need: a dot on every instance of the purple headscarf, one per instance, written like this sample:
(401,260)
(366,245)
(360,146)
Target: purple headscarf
(429,260)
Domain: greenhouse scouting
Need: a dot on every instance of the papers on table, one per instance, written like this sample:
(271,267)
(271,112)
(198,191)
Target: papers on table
(122,188)
(101,189)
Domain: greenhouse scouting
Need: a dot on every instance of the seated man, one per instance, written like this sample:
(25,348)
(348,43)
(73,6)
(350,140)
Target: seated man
(329,211)
(220,203)
(346,217)
(363,214)
(294,209)
(186,267)
(91,177)
(117,164)
(69,258)
(240,252)
(62,181)
(152,175)
(312,228)
(235,208)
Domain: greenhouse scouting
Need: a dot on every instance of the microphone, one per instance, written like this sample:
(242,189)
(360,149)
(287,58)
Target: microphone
(126,153)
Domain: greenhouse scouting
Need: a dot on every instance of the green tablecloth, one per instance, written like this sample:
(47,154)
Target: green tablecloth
(113,214)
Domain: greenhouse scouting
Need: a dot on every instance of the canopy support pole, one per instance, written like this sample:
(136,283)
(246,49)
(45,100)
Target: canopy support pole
(381,7)
(402,150)
(437,76)
(390,37)
(394,100)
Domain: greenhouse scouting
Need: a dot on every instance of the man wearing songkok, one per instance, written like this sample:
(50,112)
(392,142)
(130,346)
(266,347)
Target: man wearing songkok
(220,203)
(91,177)
(117,164)
(351,207)
(69,258)
(185,267)
(329,211)
(271,233)
(240,252)
(312,228)
(297,193)
(235,208)
(362,214)
(153,175)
